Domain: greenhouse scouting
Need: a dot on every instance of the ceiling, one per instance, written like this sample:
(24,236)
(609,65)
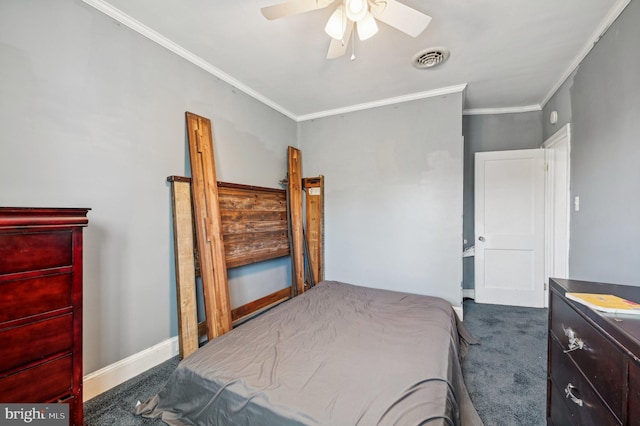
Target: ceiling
(507,56)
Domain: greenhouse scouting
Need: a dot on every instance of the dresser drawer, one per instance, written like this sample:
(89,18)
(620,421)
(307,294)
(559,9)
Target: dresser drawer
(20,252)
(23,298)
(599,360)
(559,414)
(586,408)
(34,341)
(41,383)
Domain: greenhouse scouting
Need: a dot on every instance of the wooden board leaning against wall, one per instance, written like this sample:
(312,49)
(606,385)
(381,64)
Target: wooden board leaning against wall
(208,225)
(314,225)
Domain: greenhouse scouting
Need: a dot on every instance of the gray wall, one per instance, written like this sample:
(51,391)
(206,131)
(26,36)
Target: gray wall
(605,155)
(92,115)
(496,132)
(561,103)
(393,178)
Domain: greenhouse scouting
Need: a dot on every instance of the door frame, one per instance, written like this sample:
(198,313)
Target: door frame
(553,237)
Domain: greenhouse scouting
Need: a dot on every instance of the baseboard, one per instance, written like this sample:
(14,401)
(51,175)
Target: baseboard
(459,311)
(469,293)
(102,380)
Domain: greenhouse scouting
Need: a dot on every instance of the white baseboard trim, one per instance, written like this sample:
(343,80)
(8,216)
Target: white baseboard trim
(458,310)
(102,380)
(469,292)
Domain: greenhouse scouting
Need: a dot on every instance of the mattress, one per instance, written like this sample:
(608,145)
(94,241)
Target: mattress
(339,354)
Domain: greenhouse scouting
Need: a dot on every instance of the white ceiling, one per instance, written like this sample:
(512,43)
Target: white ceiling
(508,55)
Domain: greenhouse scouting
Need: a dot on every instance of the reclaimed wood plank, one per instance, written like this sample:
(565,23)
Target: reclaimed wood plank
(315,224)
(208,225)
(183,237)
(250,308)
(295,208)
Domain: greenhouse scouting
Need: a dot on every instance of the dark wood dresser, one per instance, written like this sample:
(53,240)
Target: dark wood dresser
(593,362)
(41,306)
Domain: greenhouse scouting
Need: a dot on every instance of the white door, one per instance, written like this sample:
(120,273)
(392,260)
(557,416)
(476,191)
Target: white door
(509,227)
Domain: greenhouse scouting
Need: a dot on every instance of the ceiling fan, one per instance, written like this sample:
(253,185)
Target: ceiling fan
(361,13)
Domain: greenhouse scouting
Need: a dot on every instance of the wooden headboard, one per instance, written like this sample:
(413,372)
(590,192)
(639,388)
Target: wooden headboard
(254,223)
(219,225)
(254,227)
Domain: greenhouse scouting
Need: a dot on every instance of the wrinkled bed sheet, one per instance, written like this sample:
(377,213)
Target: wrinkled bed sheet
(338,354)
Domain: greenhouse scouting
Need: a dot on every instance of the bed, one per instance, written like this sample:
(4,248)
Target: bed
(338,354)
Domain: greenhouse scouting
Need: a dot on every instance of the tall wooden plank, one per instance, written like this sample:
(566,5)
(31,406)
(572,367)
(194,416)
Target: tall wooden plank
(314,226)
(295,208)
(183,237)
(208,226)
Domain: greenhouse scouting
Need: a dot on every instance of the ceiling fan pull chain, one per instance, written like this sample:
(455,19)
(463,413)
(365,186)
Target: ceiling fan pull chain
(353,49)
(344,25)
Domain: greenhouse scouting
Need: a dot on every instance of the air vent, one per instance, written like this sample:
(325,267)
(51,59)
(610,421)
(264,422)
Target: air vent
(430,58)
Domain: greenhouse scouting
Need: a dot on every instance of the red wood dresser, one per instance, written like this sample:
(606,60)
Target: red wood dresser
(593,363)
(41,306)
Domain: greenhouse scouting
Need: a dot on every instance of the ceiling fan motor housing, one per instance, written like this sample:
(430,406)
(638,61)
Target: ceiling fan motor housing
(356,9)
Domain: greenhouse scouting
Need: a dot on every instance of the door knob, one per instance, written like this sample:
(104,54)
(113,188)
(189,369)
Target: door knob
(481,238)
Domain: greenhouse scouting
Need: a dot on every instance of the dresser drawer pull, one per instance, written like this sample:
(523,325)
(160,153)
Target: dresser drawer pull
(569,392)
(574,341)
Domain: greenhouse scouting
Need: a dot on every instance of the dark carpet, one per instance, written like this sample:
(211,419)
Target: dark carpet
(505,374)
(115,407)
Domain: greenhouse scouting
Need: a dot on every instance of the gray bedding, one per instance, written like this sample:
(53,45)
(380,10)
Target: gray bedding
(338,354)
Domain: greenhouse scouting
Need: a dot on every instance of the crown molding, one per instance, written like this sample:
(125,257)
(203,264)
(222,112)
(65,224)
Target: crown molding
(608,20)
(384,102)
(507,110)
(158,38)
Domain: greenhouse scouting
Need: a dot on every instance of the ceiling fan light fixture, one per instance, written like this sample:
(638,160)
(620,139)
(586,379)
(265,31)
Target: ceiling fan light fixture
(363,14)
(337,24)
(357,9)
(367,27)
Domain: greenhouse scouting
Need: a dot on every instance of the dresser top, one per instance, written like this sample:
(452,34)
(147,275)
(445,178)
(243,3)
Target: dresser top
(624,328)
(20,217)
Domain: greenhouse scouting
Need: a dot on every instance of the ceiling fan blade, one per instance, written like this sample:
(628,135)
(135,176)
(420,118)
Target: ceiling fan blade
(292,7)
(400,17)
(337,48)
